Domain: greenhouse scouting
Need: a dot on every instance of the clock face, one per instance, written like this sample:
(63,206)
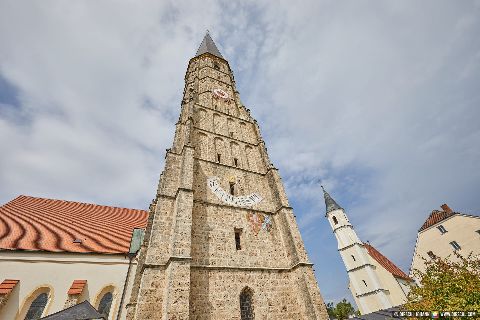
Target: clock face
(240,201)
(220,93)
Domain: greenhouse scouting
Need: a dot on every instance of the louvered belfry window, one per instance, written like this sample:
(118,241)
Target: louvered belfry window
(246,305)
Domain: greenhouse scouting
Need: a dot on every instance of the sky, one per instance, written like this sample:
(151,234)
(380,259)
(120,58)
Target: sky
(379,101)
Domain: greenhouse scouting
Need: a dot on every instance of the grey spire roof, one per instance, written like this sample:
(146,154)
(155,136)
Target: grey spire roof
(209,46)
(330,204)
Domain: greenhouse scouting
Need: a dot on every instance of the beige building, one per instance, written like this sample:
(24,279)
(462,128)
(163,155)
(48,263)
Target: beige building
(376,283)
(55,254)
(443,233)
(223,242)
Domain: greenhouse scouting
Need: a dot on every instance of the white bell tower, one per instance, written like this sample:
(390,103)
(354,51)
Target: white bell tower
(364,284)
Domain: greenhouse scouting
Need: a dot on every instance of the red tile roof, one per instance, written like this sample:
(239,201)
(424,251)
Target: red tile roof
(384,262)
(435,217)
(77,286)
(7,286)
(29,223)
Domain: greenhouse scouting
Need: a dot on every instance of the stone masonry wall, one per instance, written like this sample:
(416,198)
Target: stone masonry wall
(192,267)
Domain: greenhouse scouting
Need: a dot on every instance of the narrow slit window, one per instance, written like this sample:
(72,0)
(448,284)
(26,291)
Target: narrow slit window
(232,188)
(455,245)
(442,229)
(231,134)
(238,244)
(219,156)
(335,221)
(353,257)
(364,283)
(235,162)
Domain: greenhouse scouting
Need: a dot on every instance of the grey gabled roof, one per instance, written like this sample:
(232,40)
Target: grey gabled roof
(81,311)
(330,204)
(208,46)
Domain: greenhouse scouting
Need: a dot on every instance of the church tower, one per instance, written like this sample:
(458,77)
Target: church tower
(375,282)
(222,241)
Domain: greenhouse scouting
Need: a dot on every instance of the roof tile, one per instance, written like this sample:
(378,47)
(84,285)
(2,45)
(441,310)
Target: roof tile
(384,262)
(77,287)
(38,224)
(435,217)
(7,286)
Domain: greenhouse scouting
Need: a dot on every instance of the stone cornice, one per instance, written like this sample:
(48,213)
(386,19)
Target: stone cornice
(224,267)
(341,227)
(350,245)
(372,292)
(224,113)
(361,266)
(231,166)
(228,137)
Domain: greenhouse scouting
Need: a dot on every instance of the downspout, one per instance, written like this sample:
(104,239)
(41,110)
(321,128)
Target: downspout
(130,258)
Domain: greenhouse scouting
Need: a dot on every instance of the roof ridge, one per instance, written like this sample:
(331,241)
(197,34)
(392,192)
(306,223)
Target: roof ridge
(70,201)
(435,217)
(386,263)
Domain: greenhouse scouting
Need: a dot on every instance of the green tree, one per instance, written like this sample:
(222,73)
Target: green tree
(331,310)
(447,285)
(341,311)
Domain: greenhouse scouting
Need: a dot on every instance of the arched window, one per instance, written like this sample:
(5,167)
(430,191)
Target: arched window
(105,304)
(246,304)
(37,307)
(335,220)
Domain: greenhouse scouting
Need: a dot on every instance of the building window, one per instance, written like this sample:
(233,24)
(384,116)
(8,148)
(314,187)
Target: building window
(353,257)
(478,231)
(335,221)
(364,283)
(105,304)
(246,304)
(232,188)
(431,254)
(235,162)
(238,245)
(231,134)
(219,156)
(455,245)
(442,229)
(37,307)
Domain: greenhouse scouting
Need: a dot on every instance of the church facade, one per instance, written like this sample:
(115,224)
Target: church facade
(376,283)
(222,241)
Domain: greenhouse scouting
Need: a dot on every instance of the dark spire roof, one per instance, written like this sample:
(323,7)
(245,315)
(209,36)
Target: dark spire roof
(330,204)
(208,46)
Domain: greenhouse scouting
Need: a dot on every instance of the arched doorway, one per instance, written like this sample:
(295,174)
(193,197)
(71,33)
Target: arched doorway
(246,304)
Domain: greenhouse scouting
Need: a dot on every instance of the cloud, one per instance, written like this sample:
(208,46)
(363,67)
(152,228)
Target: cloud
(377,101)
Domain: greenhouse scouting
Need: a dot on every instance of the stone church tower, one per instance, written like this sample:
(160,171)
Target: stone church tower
(221,241)
(376,283)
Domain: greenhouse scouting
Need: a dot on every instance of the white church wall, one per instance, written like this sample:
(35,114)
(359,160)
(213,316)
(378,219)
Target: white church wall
(57,271)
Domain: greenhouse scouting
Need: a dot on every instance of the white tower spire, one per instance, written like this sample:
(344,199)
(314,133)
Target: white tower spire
(364,284)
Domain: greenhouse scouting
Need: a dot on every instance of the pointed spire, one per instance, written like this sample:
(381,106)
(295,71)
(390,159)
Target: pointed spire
(330,204)
(208,46)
